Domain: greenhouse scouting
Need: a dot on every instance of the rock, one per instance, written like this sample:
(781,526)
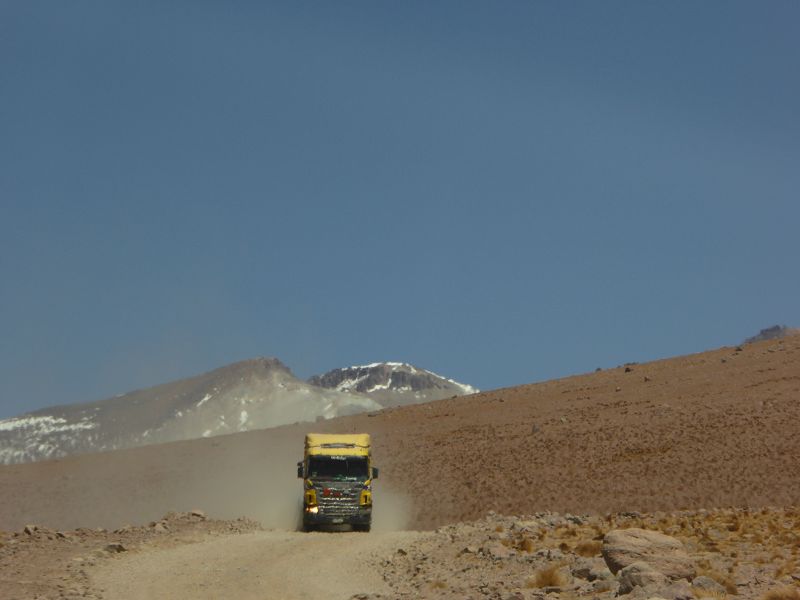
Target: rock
(160,528)
(576,519)
(497,551)
(643,575)
(677,590)
(31,529)
(198,513)
(600,573)
(582,569)
(115,548)
(708,585)
(590,569)
(637,593)
(607,585)
(665,554)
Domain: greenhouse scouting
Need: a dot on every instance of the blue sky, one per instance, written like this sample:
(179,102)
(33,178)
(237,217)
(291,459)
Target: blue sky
(500,192)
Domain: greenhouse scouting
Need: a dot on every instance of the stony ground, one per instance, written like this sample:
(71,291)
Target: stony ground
(745,554)
(41,563)
(748,554)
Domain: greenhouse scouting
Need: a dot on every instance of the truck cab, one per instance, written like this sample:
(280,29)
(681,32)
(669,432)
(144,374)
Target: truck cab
(337,475)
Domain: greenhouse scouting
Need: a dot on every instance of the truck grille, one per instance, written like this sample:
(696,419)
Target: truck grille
(339,506)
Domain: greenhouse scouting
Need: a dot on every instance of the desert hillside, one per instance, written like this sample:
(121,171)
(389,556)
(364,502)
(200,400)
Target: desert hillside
(712,429)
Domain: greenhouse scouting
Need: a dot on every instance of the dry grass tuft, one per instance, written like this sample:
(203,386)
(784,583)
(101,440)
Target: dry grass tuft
(725,580)
(589,548)
(438,584)
(549,576)
(528,545)
(786,568)
(712,594)
(782,593)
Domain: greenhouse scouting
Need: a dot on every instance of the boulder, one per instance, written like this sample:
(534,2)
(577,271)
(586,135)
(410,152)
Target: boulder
(643,575)
(665,554)
(590,569)
(708,585)
(677,590)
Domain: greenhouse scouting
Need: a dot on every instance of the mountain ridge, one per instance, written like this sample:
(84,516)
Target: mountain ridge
(257,393)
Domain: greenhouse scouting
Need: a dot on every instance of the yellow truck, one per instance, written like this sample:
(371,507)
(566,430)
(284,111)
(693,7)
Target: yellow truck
(337,476)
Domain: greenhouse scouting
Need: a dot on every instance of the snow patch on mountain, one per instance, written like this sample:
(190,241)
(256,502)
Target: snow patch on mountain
(392,383)
(44,425)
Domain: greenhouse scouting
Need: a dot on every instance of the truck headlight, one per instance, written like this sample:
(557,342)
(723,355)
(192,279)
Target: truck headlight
(312,509)
(311,497)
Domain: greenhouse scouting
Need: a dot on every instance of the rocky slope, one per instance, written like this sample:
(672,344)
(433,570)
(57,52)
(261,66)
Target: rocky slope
(392,383)
(775,332)
(252,394)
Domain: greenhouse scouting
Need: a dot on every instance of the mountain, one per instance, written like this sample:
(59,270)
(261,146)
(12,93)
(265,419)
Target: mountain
(392,383)
(253,394)
(772,333)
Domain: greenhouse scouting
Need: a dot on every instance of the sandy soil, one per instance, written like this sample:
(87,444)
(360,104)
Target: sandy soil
(265,564)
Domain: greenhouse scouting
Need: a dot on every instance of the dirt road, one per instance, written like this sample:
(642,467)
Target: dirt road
(266,564)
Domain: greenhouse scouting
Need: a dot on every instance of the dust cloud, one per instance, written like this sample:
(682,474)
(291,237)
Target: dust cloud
(251,475)
(391,510)
(266,488)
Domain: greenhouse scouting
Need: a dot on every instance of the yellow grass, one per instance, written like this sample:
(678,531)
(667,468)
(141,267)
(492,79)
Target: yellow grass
(549,577)
(589,548)
(782,593)
(723,579)
(712,594)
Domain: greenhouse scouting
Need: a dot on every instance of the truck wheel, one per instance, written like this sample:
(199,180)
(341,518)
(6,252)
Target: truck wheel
(365,527)
(307,527)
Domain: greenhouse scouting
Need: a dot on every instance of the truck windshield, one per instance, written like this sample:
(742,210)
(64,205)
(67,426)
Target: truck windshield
(340,468)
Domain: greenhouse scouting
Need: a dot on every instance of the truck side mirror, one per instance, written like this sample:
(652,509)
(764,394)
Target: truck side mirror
(375,472)
(300,469)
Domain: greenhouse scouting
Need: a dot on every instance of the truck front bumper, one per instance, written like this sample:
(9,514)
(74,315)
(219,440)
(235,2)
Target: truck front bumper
(362,517)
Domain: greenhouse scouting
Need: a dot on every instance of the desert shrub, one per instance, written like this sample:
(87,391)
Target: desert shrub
(588,548)
(711,594)
(782,593)
(528,545)
(549,576)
